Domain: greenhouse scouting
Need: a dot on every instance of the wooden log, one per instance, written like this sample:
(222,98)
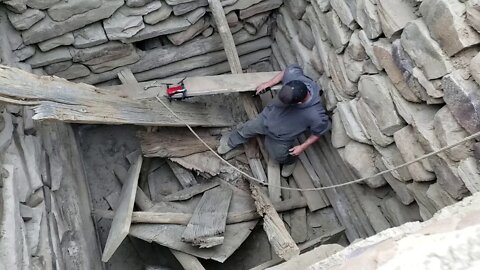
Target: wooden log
(189,192)
(303,180)
(174,142)
(184,218)
(207,225)
(66,101)
(123,216)
(327,238)
(184,176)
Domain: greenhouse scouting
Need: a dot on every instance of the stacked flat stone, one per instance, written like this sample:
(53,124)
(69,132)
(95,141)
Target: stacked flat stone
(396,98)
(89,41)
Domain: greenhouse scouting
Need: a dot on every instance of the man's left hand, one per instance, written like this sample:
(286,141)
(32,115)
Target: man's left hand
(297,150)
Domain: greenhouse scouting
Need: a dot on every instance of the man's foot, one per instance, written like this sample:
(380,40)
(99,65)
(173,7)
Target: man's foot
(223,148)
(287,169)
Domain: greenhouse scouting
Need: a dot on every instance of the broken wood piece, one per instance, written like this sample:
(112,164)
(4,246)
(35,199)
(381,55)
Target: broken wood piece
(327,238)
(206,163)
(303,180)
(175,142)
(274,180)
(184,176)
(58,99)
(123,215)
(184,218)
(131,85)
(141,199)
(278,236)
(207,225)
(189,192)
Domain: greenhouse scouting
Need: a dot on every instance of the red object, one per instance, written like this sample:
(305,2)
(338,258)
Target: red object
(174,89)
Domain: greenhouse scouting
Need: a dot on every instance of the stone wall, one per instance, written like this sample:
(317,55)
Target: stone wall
(400,78)
(92,40)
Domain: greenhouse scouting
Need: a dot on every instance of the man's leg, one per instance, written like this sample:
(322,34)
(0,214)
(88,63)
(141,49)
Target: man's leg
(246,131)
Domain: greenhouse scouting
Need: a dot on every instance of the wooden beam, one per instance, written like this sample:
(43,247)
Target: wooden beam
(184,218)
(58,99)
(141,199)
(226,35)
(123,215)
(207,225)
(274,180)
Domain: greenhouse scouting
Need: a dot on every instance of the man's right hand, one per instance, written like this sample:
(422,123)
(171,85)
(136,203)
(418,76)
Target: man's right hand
(262,88)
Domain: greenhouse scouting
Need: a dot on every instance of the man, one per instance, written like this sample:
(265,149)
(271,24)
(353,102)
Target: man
(296,109)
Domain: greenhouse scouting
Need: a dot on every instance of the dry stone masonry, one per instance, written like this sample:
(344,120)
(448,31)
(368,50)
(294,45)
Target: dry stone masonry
(401,80)
(91,41)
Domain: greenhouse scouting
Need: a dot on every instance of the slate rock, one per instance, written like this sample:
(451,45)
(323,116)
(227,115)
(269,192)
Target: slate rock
(101,53)
(426,206)
(368,120)
(121,26)
(89,36)
(425,51)
(391,158)
(398,213)
(475,68)
(306,35)
(48,28)
(119,62)
(47,45)
(263,6)
(297,8)
(368,19)
(159,15)
(66,9)
(448,178)
(344,13)
(323,5)
(57,67)
(339,135)
(463,99)
(361,159)
(353,69)
(25,20)
(448,131)
(41,4)
(24,53)
(339,76)
(338,33)
(169,26)
(191,32)
(439,197)
(384,53)
(470,174)
(473,14)
(53,56)
(447,25)
(411,149)
(17,6)
(355,48)
(476,150)
(394,15)
(137,3)
(140,11)
(368,46)
(73,72)
(375,91)
(184,8)
(352,127)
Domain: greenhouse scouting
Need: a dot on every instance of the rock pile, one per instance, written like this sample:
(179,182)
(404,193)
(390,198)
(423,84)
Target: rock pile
(90,41)
(401,79)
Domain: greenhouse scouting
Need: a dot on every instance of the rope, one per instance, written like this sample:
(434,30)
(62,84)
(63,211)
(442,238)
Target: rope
(320,188)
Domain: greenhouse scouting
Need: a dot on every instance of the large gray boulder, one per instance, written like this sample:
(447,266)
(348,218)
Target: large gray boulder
(339,76)
(121,26)
(57,67)
(66,9)
(384,53)
(394,15)
(352,127)
(439,197)
(361,159)
(398,213)
(391,158)
(375,91)
(448,131)
(89,36)
(448,178)
(338,33)
(446,22)
(344,13)
(25,52)
(339,135)
(63,40)
(367,119)
(425,51)
(41,59)
(463,99)
(17,6)
(159,15)
(73,72)
(426,206)
(48,28)
(470,174)
(368,19)
(355,48)
(25,20)
(411,149)
(398,186)
(297,8)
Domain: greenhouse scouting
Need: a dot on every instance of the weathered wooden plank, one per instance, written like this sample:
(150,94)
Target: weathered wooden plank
(123,215)
(59,99)
(207,225)
(175,142)
(274,180)
(303,180)
(205,162)
(129,82)
(189,192)
(184,176)
(141,199)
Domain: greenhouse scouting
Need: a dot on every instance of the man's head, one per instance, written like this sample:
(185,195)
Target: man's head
(293,92)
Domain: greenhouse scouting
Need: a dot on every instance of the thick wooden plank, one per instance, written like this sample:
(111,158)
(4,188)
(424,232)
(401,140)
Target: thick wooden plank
(207,225)
(274,180)
(123,214)
(303,180)
(189,192)
(141,199)
(62,100)
(175,142)
(184,176)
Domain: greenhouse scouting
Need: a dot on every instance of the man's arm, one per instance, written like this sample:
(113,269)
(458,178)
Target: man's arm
(297,150)
(274,81)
